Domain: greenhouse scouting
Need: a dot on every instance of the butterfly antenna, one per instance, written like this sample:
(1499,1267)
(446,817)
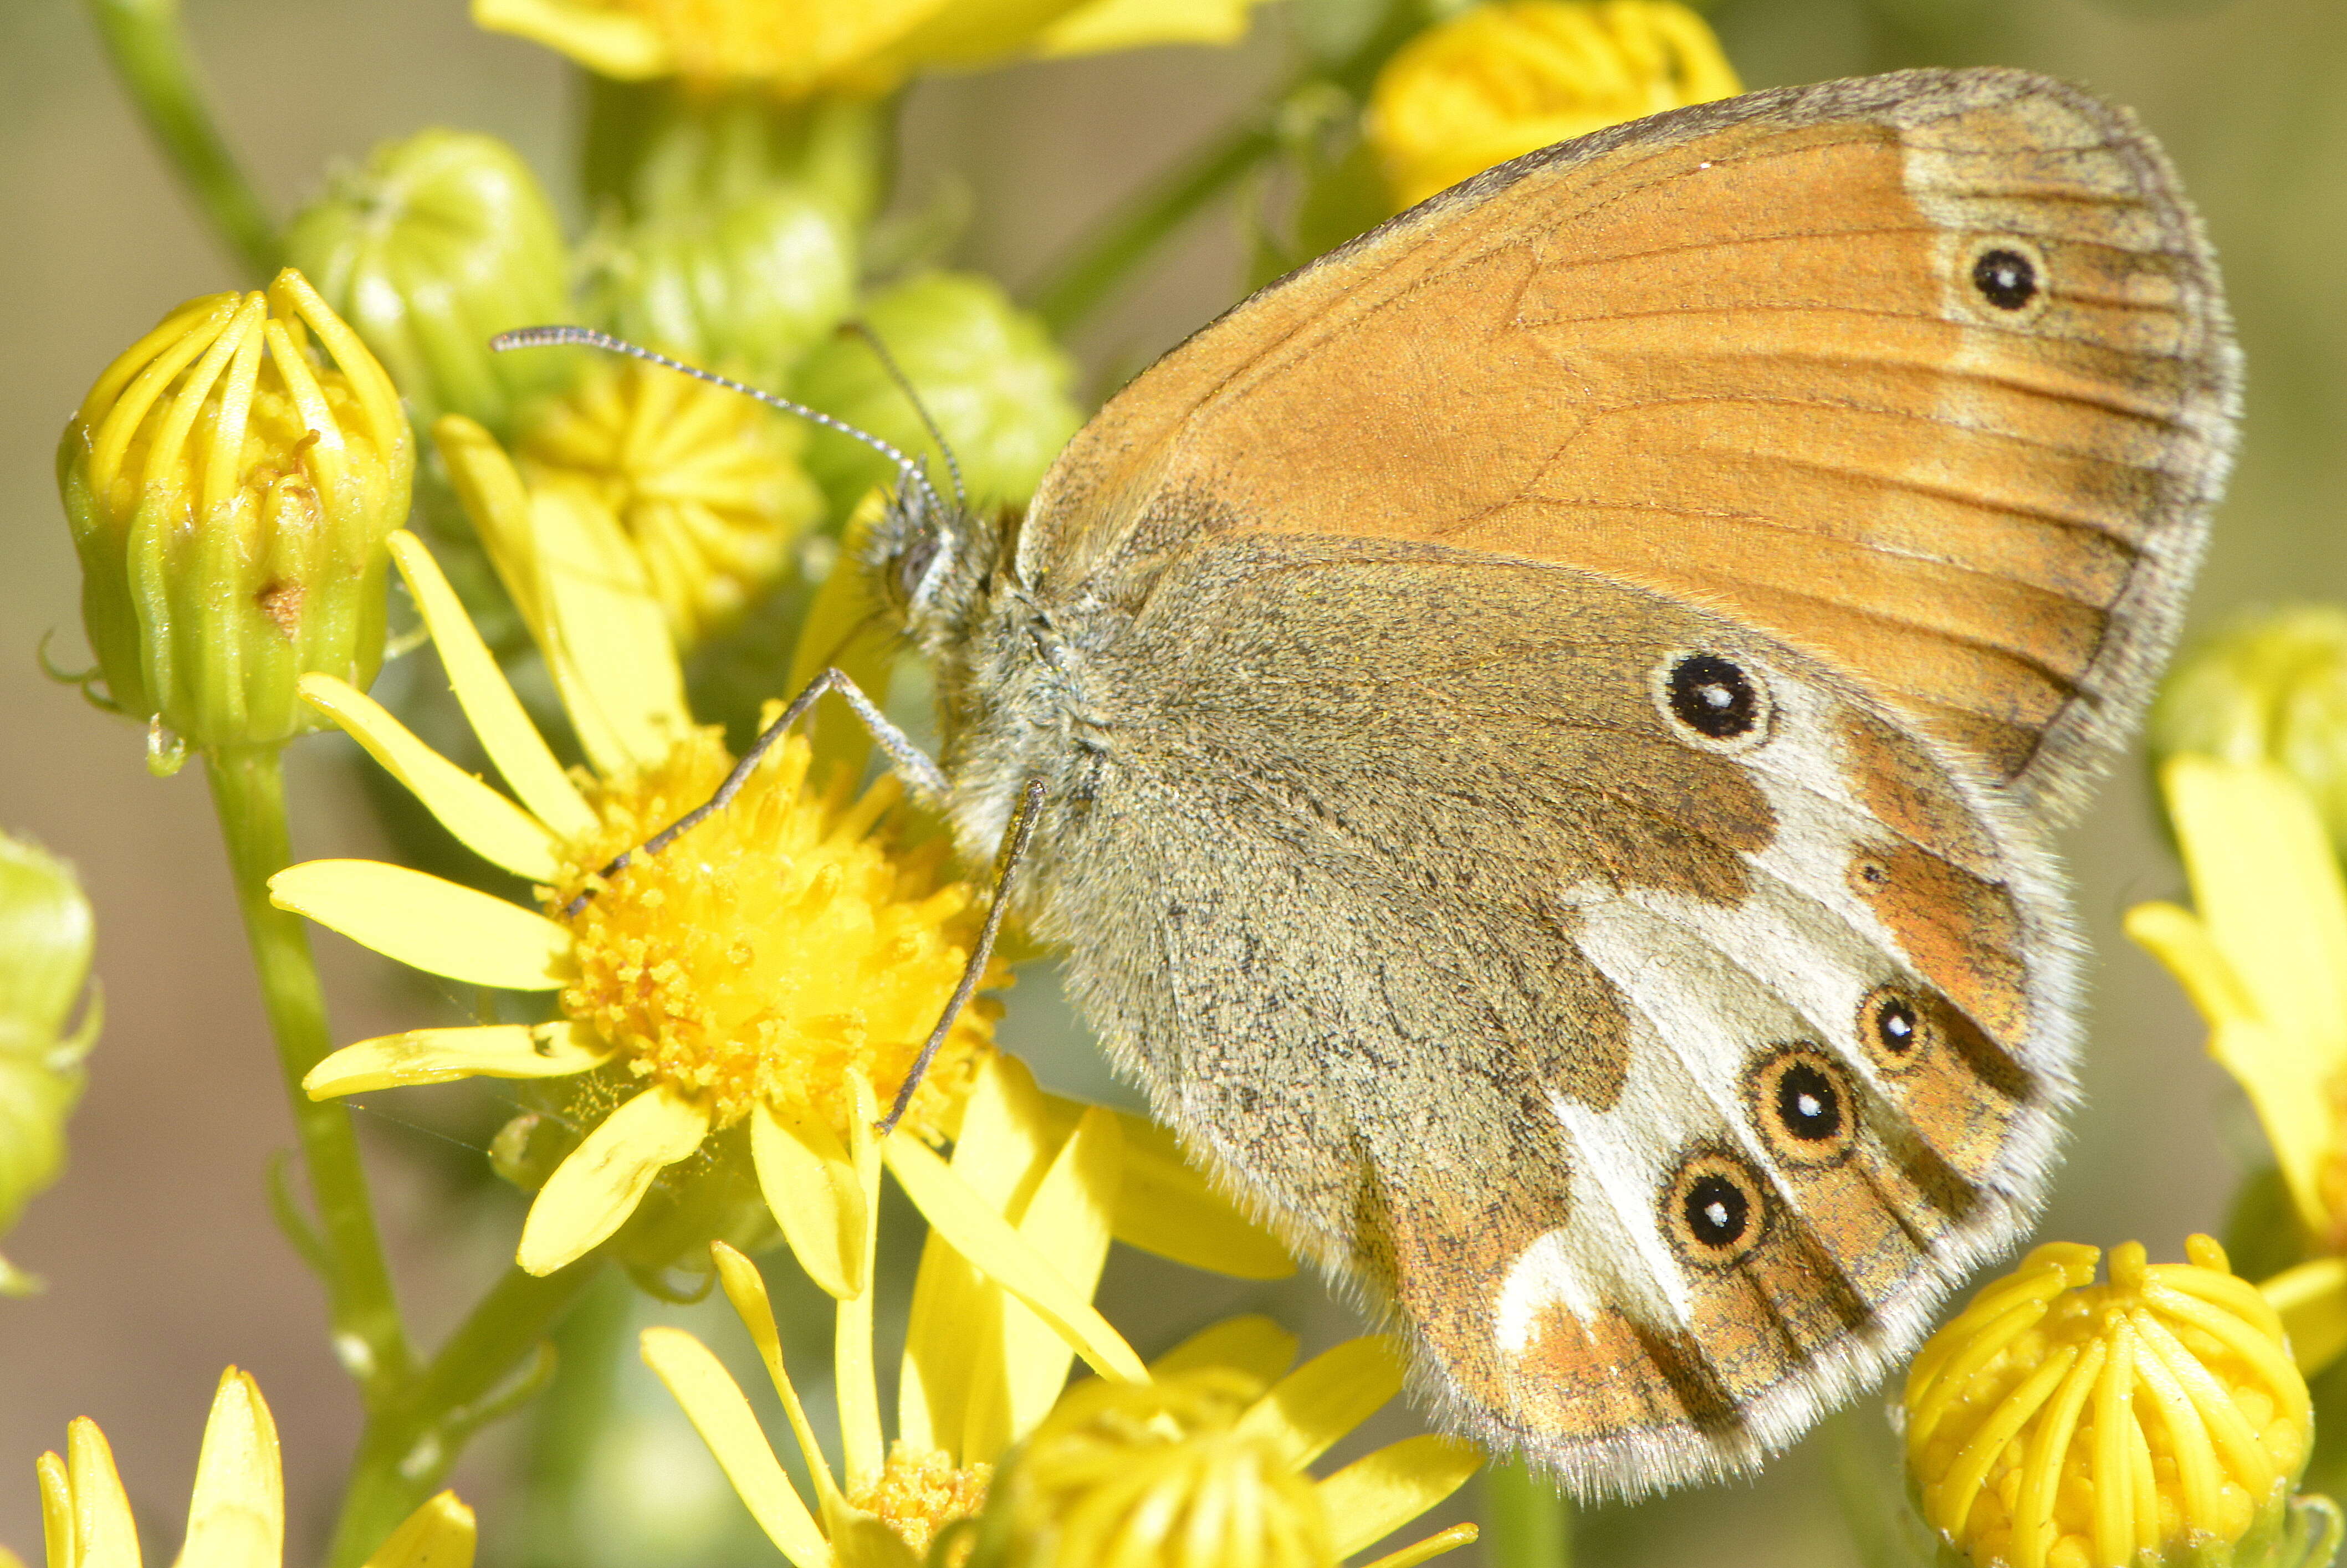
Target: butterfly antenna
(905,385)
(587,337)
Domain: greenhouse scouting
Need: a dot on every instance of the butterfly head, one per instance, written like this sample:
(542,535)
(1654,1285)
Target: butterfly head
(930,561)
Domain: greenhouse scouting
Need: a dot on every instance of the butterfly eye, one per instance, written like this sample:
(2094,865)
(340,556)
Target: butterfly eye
(1894,1028)
(1802,1102)
(2009,275)
(1715,701)
(1714,1210)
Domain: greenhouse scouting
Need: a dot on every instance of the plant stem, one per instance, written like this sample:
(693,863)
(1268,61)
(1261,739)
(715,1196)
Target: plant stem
(1098,263)
(150,48)
(248,794)
(1527,1524)
(410,1444)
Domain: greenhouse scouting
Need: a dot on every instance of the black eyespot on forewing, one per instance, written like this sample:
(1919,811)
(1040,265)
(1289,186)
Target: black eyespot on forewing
(1802,1102)
(2005,279)
(1713,697)
(1714,1209)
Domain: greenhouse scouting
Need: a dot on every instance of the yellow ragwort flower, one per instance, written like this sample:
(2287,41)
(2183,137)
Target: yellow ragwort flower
(705,484)
(856,47)
(2263,955)
(231,480)
(1021,1221)
(781,960)
(237,1516)
(2058,1423)
(1501,80)
(2271,687)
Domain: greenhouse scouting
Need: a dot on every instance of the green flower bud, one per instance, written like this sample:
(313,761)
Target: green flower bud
(45,948)
(2270,687)
(987,373)
(442,241)
(231,483)
(748,287)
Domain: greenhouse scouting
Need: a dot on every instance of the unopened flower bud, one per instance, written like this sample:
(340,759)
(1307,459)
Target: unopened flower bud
(2269,688)
(2157,1419)
(747,287)
(987,373)
(44,950)
(1501,80)
(230,481)
(440,242)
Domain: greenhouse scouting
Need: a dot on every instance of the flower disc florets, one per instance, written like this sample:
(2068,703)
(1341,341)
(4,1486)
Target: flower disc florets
(774,949)
(921,1491)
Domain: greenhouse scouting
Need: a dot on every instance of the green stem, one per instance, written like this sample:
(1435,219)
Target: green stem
(248,794)
(1096,264)
(1527,1524)
(1093,271)
(410,1444)
(151,51)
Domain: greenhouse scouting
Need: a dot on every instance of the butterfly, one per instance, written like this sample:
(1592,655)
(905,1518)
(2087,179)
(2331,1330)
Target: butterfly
(1549,722)
(1539,734)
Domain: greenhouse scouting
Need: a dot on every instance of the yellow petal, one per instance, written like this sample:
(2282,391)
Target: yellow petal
(9,1559)
(1253,1344)
(440,1533)
(2176,936)
(723,1417)
(57,1514)
(1166,1206)
(2293,1103)
(2312,1301)
(103,1534)
(854,1379)
(1426,1550)
(844,628)
(1310,1408)
(863,1540)
(237,1517)
(1378,1493)
(989,1241)
(1067,1221)
(490,706)
(1104,25)
(484,820)
(2268,887)
(437,926)
(604,633)
(605,39)
(1005,1140)
(812,1189)
(444,1055)
(595,1189)
(745,1287)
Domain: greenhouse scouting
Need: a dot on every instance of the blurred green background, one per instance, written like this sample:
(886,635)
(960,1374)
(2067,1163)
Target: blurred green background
(162,1262)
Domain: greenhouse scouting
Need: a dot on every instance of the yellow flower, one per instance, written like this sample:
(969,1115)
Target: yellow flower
(704,483)
(1502,79)
(2264,958)
(2057,1423)
(230,493)
(859,47)
(999,1312)
(237,1516)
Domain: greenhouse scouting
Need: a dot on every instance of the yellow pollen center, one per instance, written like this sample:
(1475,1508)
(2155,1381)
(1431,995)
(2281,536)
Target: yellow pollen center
(778,947)
(918,1493)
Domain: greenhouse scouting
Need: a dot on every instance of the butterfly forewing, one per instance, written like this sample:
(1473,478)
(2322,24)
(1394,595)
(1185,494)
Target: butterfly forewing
(1927,374)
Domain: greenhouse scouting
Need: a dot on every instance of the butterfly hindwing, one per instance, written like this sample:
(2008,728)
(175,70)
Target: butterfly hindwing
(1476,955)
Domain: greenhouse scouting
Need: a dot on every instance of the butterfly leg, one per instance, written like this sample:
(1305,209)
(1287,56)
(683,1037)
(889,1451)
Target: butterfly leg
(911,763)
(1013,849)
